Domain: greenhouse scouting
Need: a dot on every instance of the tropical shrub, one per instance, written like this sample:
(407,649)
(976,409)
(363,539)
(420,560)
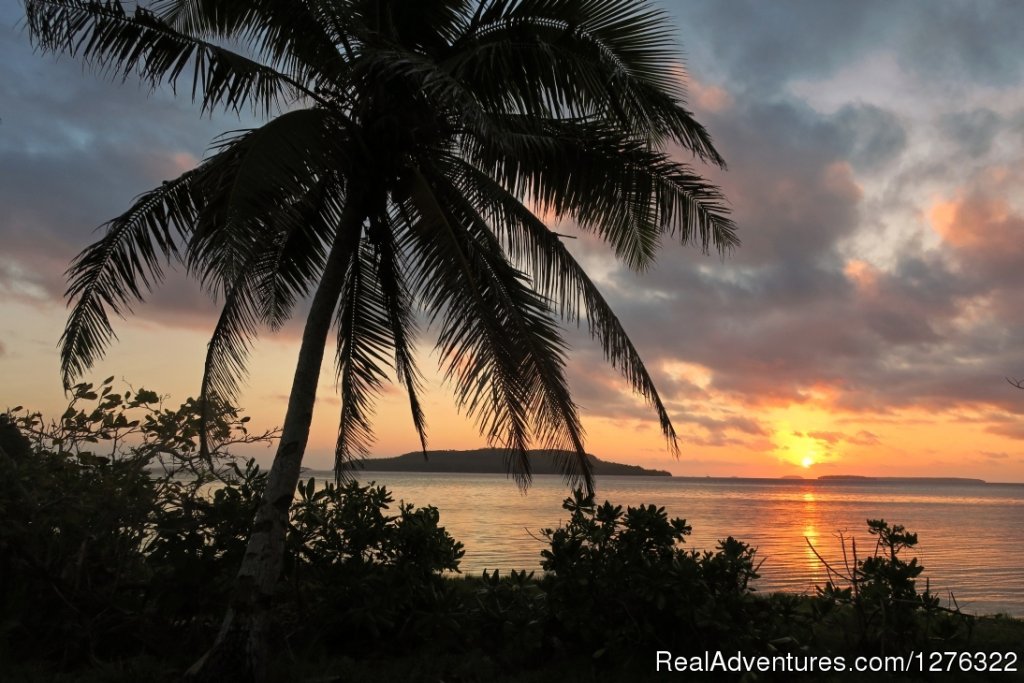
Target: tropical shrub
(71,528)
(120,536)
(357,573)
(102,535)
(888,612)
(198,535)
(619,579)
(512,611)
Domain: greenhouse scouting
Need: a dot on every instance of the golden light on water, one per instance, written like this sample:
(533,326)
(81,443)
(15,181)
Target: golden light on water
(810,535)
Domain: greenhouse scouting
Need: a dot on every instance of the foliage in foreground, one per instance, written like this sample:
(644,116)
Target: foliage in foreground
(120,540)
(621,579)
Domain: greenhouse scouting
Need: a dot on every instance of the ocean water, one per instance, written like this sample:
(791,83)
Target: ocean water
(971,537)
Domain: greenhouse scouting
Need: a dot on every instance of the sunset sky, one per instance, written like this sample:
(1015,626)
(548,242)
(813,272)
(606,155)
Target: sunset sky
(866,325)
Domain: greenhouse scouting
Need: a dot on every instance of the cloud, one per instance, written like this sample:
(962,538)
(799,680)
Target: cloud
(861,438)
(75,149)
(961,41)
(768,309)
(874,136)
(791,317)
(745,425)
(995,456)
(707,98)
(762,46)
(982,228)
(1012,431)
(973,131)
(865,438)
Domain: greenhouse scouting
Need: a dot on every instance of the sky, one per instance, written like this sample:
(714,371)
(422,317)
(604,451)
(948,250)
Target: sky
(867,324)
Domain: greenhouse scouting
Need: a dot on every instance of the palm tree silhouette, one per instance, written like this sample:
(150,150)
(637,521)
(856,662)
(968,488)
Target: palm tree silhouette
(406,152)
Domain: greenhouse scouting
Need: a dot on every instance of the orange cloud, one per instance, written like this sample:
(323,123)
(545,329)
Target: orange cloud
(709,98)
(841,182)
(705,97)
(169,164)
(981,221)
(862,274)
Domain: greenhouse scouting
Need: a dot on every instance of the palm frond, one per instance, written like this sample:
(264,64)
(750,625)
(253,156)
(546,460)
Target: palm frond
(261,237)
(504,302)
(290,35)
(427,25)
(528,319)
(608,182)
(104,34)
(228,350)
(288,258)
(590,60)
(397,300)
(114,272)
(364,348)
(391,68)
(558,276)
(477,355)
(267,175)
(293,272)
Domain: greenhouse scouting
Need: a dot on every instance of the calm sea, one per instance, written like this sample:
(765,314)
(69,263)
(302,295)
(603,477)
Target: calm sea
(971,537)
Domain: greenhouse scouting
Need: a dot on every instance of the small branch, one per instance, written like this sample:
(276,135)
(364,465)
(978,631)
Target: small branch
(832,572)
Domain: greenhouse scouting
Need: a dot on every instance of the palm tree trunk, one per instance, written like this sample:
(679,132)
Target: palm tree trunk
(241,648)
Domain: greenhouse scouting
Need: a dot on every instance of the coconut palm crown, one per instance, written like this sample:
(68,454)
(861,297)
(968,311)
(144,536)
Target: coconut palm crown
(407,150)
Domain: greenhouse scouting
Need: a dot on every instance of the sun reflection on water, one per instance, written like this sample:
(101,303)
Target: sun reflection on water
(811,535)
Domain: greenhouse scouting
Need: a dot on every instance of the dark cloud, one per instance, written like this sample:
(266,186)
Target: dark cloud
(1013,431)
(874,136)
(792,189)
(762,46)
(75,149)
(745,425)
(972,131)
(994,455)
(963,41)
(982,230)
(861,438)
(768,311)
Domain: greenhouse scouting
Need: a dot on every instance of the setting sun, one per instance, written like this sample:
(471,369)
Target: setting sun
(810,444)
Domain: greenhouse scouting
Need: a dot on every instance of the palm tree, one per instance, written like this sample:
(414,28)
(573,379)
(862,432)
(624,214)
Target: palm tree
(406,150)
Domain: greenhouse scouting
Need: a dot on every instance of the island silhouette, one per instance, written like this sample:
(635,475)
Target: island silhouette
(492,461)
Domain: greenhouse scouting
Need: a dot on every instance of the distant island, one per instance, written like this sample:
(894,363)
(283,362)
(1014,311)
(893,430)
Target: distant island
(492,461)
(910,480)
